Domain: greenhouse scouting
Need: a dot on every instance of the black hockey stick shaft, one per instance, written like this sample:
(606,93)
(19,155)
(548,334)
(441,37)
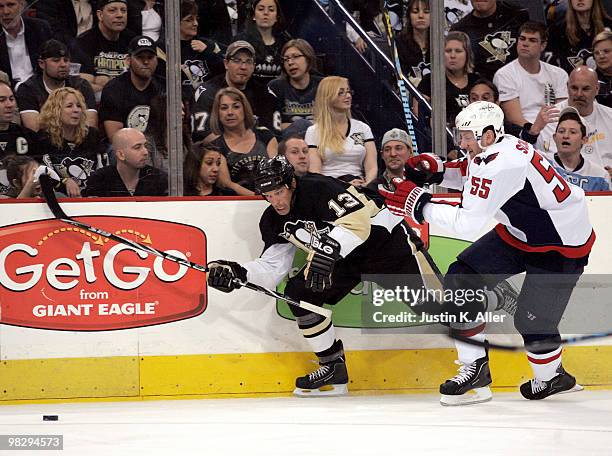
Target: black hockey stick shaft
(46,184)
(400,77)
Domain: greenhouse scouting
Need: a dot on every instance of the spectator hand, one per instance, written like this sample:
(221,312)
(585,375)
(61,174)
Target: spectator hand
(198,46)
(357,182)
(546,115)
(361,45)
(72,188)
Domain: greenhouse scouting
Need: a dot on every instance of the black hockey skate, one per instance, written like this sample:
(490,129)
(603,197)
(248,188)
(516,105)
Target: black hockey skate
(330,379)
(469,386)
(563,382)
(507,297)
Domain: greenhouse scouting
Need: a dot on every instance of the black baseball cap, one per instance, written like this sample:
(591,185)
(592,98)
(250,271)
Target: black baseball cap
(52,49)
(141,44)
(102,3)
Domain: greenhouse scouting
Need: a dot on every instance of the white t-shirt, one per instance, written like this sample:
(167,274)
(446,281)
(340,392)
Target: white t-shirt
(514,82)
(587,175)
(350,161)
(598,149)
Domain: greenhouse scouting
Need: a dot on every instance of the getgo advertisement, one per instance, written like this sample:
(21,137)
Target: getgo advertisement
(55,276)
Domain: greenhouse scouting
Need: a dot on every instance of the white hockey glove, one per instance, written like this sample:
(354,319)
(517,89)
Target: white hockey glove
(222,274)
(48,171)
(406,200)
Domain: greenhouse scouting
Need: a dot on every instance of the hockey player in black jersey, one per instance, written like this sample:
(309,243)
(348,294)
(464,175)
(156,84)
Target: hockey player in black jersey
(345,233)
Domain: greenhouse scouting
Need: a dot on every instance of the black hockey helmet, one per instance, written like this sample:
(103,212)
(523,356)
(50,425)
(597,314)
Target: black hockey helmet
(273,173)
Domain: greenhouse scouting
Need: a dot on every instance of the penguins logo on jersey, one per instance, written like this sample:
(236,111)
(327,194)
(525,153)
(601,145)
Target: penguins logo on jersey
(138,118)
(498,45)
(358,139)
(305,235)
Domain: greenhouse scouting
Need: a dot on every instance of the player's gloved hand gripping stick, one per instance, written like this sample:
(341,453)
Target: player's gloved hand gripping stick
(47,184)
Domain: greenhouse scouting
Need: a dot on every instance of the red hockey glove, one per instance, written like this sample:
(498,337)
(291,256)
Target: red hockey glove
(407,199)
(424,169)
(430,163)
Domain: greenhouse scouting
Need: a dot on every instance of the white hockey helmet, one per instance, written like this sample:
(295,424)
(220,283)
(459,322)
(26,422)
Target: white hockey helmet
(476,117)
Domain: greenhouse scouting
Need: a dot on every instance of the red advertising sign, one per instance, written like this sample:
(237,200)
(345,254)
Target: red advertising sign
(55,276)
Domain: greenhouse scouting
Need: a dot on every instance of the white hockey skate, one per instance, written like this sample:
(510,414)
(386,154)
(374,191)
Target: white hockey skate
(328,380)
(469,386)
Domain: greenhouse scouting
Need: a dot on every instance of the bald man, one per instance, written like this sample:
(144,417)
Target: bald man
(582,87)
(131,175)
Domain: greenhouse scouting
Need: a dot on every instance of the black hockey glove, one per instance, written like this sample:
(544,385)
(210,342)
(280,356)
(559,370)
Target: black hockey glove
(222,274)
(320,263)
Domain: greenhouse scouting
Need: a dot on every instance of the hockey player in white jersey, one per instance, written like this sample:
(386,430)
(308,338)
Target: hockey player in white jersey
(543,230)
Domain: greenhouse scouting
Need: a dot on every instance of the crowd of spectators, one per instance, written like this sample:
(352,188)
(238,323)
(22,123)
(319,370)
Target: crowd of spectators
(82,90)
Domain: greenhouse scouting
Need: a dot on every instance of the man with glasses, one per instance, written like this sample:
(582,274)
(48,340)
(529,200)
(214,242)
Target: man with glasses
(239,64)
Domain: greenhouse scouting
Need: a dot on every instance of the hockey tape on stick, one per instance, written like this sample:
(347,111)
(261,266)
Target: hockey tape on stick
(46,184)
(545,344)
(400,78)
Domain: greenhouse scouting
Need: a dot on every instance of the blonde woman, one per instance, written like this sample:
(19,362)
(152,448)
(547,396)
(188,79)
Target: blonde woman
(340,146)
(71,147)
(242,145)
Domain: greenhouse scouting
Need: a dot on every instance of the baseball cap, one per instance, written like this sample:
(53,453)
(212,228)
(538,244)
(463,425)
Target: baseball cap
(237,46)
(102,3)
(53,48)
(141,44)
(397,135)
(570,112)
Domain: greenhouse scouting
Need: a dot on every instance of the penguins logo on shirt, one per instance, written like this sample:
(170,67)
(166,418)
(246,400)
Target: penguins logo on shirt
(78,168)
(138,118)
(498,44)
(462,100)
(418,72)
(196,71)
(584,57)
(358,139)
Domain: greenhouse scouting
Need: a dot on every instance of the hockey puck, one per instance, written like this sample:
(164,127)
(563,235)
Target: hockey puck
(50,418)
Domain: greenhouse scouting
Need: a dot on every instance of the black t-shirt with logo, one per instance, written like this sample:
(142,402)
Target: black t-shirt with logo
(456,98)
(32,94)
(99,56)
(72,160)
(122,102)
(15,140)
(493,38)
(294,104)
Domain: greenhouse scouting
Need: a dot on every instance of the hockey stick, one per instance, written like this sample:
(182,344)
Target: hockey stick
(545,344)
(400,78)
(46,184)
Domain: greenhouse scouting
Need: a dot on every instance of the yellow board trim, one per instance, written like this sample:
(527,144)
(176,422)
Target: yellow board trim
(263,374)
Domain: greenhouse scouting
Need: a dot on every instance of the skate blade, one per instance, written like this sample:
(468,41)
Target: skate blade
(475,396)
(329,391)
(575,389)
